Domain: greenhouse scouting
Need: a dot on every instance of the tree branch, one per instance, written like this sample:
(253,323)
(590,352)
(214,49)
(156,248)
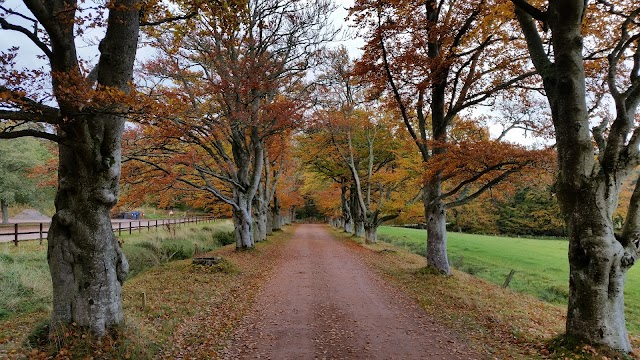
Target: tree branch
(533,11)
(480,191)
(30,132)
(5,25)
(188,16)
(476,177)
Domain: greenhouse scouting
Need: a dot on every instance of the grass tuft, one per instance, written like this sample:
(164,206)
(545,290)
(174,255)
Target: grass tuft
(223,266)
(566,347)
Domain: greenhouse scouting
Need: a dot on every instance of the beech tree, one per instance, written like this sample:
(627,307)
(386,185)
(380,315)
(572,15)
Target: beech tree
(588,186)
(357,153)
(233,78)
(267,216)
(84,113)
(81,106)
(433,61)
(371,191)
(323,168)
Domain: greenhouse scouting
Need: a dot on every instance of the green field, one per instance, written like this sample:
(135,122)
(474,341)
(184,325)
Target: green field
(542,267)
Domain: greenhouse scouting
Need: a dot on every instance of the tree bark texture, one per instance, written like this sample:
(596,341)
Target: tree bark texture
(597,275)
(347,217)
(598,268)
(588,187)
(4,207)
(86,262)
(371,232)
(242,221)
(436,228)
(261,214)
(269,221)
(356,213)
(277,218)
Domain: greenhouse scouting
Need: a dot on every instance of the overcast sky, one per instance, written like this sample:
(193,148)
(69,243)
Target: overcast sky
(28,51)
(354,45)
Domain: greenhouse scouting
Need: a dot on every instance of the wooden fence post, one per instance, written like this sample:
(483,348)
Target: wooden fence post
(15,235)
(41,234)
(129,227)
(508,279)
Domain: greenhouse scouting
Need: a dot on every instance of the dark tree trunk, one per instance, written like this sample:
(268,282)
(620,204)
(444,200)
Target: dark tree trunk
(356,213)
(261,217)
(277,218)
(4,207)
(269,221)
(347,218)
(86,263)
(587,191)
(371,232)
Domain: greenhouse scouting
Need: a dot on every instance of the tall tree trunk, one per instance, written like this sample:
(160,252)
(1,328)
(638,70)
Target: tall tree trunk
(4,207)
(260,223)
(371,232)
(598,268)
(277,218)
(347,218)
(436,228)
(597,274)
(269,221)
(292,215)
(356,213)
(86,262)
(242,221)
(587,192)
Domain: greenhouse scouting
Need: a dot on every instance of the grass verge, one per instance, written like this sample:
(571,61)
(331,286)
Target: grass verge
(498,323)
(541,266)
(149,255)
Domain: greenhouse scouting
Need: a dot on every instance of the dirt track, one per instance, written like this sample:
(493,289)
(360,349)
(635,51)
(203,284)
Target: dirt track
(322,302)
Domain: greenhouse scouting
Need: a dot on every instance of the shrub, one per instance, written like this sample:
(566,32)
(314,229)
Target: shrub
(224,238)
(176,251)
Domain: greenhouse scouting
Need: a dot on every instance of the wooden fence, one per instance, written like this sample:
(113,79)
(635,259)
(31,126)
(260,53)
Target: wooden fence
(38,231)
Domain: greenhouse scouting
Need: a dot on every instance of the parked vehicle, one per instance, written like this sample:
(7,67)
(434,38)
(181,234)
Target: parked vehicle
(132,215)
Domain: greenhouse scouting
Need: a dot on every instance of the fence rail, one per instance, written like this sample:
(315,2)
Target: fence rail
(38,231)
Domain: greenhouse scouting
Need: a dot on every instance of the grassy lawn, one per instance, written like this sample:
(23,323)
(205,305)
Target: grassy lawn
(542,267)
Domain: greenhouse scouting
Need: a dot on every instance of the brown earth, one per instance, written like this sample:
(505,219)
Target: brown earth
(323,302)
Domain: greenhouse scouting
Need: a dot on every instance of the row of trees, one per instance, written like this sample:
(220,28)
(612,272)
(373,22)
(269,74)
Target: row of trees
(435,59)
(218,105)
(229,87)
